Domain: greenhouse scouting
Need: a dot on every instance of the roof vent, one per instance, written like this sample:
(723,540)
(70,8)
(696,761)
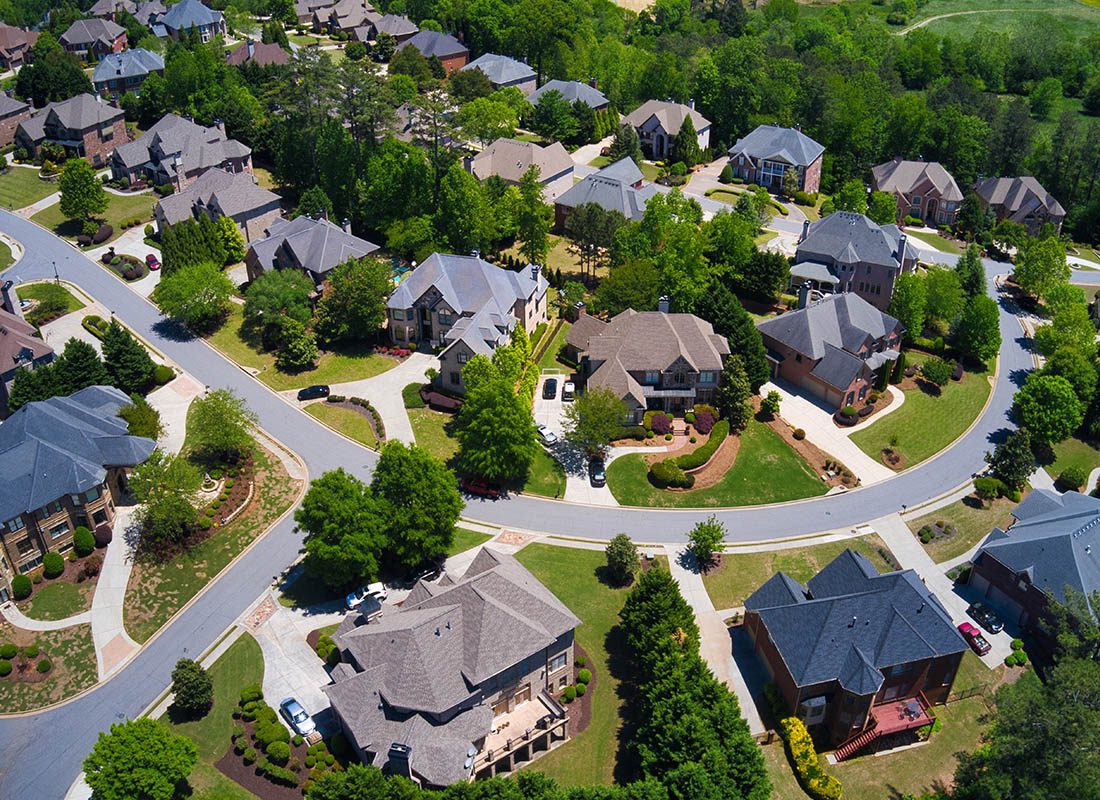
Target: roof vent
(853,622)
(437,633)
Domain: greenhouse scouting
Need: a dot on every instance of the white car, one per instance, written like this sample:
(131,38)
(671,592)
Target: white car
(568,389)
(547,436)
(376,590)
(296,717)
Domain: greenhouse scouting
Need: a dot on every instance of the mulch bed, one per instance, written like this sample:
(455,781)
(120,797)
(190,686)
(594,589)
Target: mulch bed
(714,470)
(814,456)
(233,767)
(884,400)
(580,710)
(238,494)
(364,413)
(892,458)
(73,570)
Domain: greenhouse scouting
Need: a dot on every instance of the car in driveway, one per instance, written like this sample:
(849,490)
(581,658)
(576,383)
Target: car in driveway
(480,487)
(568,391)
(152,262)
(547,436)
(596,474)
(377,590)
(313,392)
(296,716)
(985,616)
(550,389)
(974,638)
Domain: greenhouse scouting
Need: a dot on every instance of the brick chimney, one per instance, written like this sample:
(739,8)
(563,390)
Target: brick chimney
(9,299)
(805,230)
(535,269)
(804,295)
(901,250)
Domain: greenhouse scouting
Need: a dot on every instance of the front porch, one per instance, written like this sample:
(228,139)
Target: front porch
(521,735)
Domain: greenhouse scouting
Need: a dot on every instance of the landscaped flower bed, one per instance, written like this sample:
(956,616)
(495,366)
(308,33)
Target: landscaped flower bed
(26,664)
(234,487)
(940,530)
(129,267)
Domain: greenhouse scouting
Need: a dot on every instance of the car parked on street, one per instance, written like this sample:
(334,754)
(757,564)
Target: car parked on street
(313,392)
(547,436)
(296,716)
(986,617)
(480,487)
(568,390)
(974,638)
(550,389)
(377,590)
(596,473)
(152,262)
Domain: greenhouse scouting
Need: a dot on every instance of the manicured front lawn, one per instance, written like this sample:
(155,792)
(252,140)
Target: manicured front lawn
(599,162)
(1074,453)
(58,600)
(345,420)
(466,539)
(37,291)
(21,187)
(6,258)
(119,208)
(927,423)
(650,172)
(972,524)
(547,478)
(549,358)
(589,758)
(767,470)
(936,241)
(741,574)
(432,430)
(71,653)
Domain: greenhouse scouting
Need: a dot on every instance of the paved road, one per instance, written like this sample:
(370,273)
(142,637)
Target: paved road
(30,770)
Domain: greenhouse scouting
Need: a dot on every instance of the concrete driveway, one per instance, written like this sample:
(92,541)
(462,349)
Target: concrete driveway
(384,393)
(58,332)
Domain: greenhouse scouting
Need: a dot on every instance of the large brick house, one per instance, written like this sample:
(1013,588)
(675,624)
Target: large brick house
(458,681)
(1049,552)
(834,348)
(617,187)
(452,54)
(503,72)
(188,15)
(764,156)
(218,193)
(314,246)
(857,655)
(1022,200)
(99,37)
(124,72)
(176,151)
(658,123)
(923,189)
(15,46)
(20,345)
(509,159)
(12,113)
(652,360)
(846,252)
(83,125)
(65,461)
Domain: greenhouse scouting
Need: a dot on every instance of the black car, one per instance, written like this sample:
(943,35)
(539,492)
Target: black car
(313,392)
(596,472)
(986,617)
(550,389)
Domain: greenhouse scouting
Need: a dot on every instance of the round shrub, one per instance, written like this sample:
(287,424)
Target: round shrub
(849,411)
(5,667)
(205,522)
(103,535)
(580,661)
(1072,478)
(239,746)
(31,651)
(649,434)
(53,565)
(149,231)
(83,541)
(21,587)
(8,650)
(36,577)
(162,374)
(297,739)
(250,755)
(570,694)
(278,752)
(251,693)
(799,434)
(668,437)
(44,666)
(228,484)
(693,439)
(1017,644)
(581,689)
(1021,657)
(689,417)
(584,676)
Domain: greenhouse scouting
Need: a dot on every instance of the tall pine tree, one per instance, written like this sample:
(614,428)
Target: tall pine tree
(127,361)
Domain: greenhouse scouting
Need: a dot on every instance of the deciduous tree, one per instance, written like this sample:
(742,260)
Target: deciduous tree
(354,304)
(192,689)
(82,195)
(345,528)
(1041,265)
(971,272)
(594,419)
(1048,407)
(139,758)
(495,432)
(622,559)
(883,208)
(274,296)
(167,488)
(909,303)
(978,331)
(533,218)
(1012,461)
(220,425)
(196,296)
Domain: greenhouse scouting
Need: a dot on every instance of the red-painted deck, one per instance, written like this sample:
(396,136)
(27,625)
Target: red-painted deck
(902,715)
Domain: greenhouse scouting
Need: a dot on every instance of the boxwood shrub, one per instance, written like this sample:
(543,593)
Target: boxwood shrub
(21,587)
(584,676)
(5,667)
(702,455)
(53,564)
(83,541)
(666,473)
(44,666)
(31,651)
(278,752)
(570,694)
(581,689)
(8,650)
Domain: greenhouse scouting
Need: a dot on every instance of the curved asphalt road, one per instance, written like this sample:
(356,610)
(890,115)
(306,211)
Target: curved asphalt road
(40,755)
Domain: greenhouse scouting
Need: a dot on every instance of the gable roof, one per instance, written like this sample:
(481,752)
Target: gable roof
(258,53)
(18,343)
(9,106)
(311,244)
(1019,196)
(469,285)
(64,445)
(612,189)
(773,143)
(848,238)
(1055,541)
(670,115)
(14,39)
(434,43)
(80,113)
(232,193)
(148,10)
(198,147)
(571,91)
(86,31)
(395,25)
(510,158)
(842,321)
(127,64)
(905,177)
(188,14)
(850,623)
(106,8)
(501,70)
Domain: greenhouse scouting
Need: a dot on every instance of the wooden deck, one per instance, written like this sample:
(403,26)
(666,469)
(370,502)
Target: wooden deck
(902,715)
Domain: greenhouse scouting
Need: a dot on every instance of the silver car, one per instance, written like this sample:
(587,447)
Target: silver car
(547,436)
(296,717)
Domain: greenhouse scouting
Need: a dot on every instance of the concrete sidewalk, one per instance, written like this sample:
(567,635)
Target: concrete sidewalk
(113,646)
(10,611)
(172,401)
(384,393)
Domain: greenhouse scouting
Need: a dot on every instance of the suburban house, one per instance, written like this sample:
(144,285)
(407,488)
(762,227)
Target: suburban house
(15,46)
(658,123)
(616,187)
(847,252)
(508,159)
(467,306)
(188,15)
(503,71)
(258,53)
(12,113)
(833,348)
(106,9)
(1022,200)
(344,16)
(96,36)
(452,54)
(82,124)
(124,72)
(653,360)
(19,344)
(149,12)
(401,28)
(305,9)
(923,189)
(65,462)
(572,91)
(458,681)
(315,246)
(856,654)
(176,151)
(764,156)
(218,193)
(1048,553)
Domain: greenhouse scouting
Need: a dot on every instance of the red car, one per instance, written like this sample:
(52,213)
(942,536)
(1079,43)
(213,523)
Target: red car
(974,638)
(152,262)
(480,487)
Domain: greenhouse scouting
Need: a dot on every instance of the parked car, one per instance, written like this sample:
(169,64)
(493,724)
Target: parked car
(377,590)
(480,487)
(974,638)
(313,392)
(296,717)
(567,391)
(547,436)
(152,262)
(596,472)
(986,617)
(550,389)
(427,572)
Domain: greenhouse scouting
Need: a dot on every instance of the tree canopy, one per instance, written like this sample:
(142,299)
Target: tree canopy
(139,758)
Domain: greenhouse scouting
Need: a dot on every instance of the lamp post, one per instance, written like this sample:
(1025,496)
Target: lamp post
(56,277)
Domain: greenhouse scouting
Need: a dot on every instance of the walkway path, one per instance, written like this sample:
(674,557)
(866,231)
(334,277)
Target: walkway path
(113,646)
(10,611)
(384,393)
(930,20)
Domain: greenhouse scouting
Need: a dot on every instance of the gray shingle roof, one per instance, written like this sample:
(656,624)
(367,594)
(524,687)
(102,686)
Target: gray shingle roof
(853,623)
(845,321)
(311,244)
(231,193)
(771,142)
(468,285)
(87,31)
(501,70)
(106,8)
(908,176)
(838,367)
(198,147)
(79,113)
(611,191)
(147,11)
(188,14)
(848,238)
(1055,541)
(63,446)
(1019,196)
(508,159)
(395,25)
(9,105)
(670,115)
(127,64)
(571,91)
(434,43)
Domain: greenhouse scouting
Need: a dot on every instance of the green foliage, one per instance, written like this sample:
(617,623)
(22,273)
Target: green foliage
(685,146)
(852,196)
(167,487)
(533,217)
(8,651)
(1072,327)
(626,144)
(1077,368)
(82,195)
(1041,265)
(191,243)
(593,419)
(273,297)
(667,474)
(298,346)
(5,667)
(344,530)
(1048,407)
(937,371)
(278,752)
(945,296)
(702,455)
(21,587)
(495,431)
(354,306)
(882,208)
(128,363)
(734,394)
(53,564)
(192,689)
(971,272)
(220,426)
(622,560)
(1072,478)
(83,541)
(196,296)
(909,303)
(705,540)
(977,334)
(231,240)
(314,202)
(139,758)
(141,418)
(1012,461)
(569,694)
(987,488)
(807,766)
(770,404)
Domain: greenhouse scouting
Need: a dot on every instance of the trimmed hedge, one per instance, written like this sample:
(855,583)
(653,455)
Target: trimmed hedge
(53,564)
(667,474)
(21,587)
(635,432)
(162,374)
(411,396)
(570,694)
(807,766)
(581,689)
(702,455)
(278,752)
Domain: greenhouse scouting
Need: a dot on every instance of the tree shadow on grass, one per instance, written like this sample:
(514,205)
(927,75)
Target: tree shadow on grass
(621,667)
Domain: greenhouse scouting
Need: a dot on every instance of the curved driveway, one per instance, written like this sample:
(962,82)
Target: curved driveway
(40,755)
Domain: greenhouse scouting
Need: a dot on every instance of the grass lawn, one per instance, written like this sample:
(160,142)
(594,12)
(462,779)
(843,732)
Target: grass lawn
(240,665)
(549,359)
(971,524)
(1074,453)
(741,574)
(727,196)
(767,470)
(20,187)
(599,162)
(37,291)
(559,257)
(118,209)
(58,600)
(70,651)
(547,477)
(1078,19)
(432,430)
(650,171)
(6,258)
(927,423)
(936,241)
(591,757)
(348,422)
(466,539)
(351,363)
(157,590)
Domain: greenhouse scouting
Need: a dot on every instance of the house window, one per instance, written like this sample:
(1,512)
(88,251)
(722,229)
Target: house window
(399,334)
(76,499)
(100,517)
(558,662)
(680,378)
(25,546)
(49,509)
(463,358)
(444,318)
(798,358)
(34,563)
(916,200)
(455,378)
(15,524)
(706,377)
(651,377)
(92,494)
(901,669)
(59,530)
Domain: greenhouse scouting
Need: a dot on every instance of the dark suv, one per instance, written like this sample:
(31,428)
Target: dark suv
(986,617)
(550,389)
(313,392)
